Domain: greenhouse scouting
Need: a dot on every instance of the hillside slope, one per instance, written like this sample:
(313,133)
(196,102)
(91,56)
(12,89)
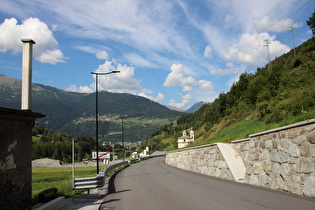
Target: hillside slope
(74,113)
(279,95)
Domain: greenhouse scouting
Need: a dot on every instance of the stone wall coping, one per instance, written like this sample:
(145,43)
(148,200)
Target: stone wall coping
(311,121)
(192,148)
(240,140)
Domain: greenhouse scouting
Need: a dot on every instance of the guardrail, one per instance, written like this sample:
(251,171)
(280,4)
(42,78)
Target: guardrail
(99,181)
(94,182)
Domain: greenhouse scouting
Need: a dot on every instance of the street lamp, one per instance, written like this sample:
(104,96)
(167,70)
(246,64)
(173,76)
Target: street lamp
(123,137)
(96,111)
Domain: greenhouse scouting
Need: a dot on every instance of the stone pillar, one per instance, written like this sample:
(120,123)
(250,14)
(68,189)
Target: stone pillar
(26,100)
(15,158)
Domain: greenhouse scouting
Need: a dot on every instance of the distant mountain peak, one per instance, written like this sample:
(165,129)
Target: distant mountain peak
(196,106)
(174,108)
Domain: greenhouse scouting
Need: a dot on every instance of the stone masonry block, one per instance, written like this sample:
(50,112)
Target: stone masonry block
(294,151)
(285,171)
(257,168)
(310,137)
(268,144)
(299,140)
(305,166)
(305,149)
(309,189)
(285,144)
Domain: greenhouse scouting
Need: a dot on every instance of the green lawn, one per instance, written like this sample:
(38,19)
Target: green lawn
(60,178)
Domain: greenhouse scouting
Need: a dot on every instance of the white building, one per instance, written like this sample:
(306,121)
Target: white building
(184,140)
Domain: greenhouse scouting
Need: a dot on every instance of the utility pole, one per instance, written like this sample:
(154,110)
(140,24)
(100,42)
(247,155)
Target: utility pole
(267,42)
(292,30)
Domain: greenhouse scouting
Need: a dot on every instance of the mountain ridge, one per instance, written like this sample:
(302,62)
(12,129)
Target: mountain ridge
(74,113)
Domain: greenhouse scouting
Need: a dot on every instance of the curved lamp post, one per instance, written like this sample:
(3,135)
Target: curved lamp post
(96,111)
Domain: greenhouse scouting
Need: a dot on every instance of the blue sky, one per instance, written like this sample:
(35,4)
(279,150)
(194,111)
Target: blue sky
(175,52)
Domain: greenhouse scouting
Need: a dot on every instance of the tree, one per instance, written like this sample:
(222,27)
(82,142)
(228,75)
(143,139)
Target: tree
(311,23)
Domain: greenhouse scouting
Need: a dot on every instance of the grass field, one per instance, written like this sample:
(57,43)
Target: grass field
(60,178)
(236,131)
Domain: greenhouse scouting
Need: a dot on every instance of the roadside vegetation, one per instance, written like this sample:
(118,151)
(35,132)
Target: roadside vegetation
(61,178)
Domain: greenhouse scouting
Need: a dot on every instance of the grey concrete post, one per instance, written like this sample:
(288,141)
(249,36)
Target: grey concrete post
(26,100)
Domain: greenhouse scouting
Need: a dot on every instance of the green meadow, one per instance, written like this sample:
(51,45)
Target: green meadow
(60,178)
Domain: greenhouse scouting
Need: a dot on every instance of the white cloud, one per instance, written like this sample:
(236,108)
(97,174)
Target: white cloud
(205,85)
(51,56)
(250,50)
(147,91)
(208,52)
(144,93)
(122,82)
(146,26)
(232,69)
(187,89)
(80,89)
(177,78)
(137,60)
(54,27)
(265,24)
(185,100)
(102,55)
(44,49)
(159,97)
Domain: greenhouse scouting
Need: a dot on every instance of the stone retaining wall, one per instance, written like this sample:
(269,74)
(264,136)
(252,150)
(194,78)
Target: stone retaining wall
(204,160)
(280,159)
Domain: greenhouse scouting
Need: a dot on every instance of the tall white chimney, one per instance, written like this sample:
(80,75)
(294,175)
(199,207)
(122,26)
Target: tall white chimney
(26,100)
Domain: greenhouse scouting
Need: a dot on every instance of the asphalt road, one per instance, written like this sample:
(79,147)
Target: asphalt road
(153,185)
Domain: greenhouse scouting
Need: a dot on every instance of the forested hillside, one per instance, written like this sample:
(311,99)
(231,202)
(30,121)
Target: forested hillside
(279,94)
(74,113)
(50,144)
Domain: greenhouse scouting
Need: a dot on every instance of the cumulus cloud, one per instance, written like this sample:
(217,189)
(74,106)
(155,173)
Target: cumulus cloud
(51,56)
(177,78)
(185,100)
(80,89)
(45,48)
(265,24)
(102,55)
(122,82)
(145,92)
(208,52)
(205,85)
(250,50)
